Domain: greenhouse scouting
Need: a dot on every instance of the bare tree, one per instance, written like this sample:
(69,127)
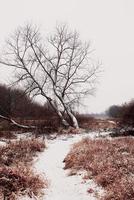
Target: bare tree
(58,67)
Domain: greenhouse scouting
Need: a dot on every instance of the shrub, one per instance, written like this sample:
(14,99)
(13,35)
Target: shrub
(128,114)
(109,162)
(19,180)
(85,121)
(7,135)
(16,177)
(20,151)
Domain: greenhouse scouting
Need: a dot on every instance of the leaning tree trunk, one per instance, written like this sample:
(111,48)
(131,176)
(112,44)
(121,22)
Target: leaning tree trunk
(71,116)
(63,121)
(59,113)
(73,119)
(15,123)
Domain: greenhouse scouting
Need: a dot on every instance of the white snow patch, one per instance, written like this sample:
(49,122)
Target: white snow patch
(26,135)
(3,143)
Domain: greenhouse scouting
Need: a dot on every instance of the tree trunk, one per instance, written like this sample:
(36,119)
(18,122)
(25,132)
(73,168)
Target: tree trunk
(71,116)
(59,113)
(73,119)
(63,121)
(17,124)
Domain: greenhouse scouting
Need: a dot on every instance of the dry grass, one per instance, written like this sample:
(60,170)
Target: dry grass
(19,180)
(16,176)
(69,131)
(109,163)
(92,124)
(7,135)
(20,151)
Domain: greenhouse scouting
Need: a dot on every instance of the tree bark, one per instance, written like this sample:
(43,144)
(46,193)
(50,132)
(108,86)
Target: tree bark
(59,113)
(73,119)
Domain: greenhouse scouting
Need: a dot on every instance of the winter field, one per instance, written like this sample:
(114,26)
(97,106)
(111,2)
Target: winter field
(66,100)
(73,165)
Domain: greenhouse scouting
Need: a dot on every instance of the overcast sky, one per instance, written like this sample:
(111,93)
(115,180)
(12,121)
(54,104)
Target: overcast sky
(108,24)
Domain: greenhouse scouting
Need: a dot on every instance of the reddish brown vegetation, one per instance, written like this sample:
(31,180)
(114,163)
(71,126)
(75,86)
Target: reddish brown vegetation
(16,177)
(19,180)
(110,163)
(68,131)
(7,135)
(85,121)
(93,124)
(20,151)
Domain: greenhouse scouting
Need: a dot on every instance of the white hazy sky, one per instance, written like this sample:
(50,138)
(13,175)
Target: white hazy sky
(109,24)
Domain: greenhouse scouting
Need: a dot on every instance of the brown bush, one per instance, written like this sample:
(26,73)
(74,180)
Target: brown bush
(20,151)
(7,135)
(127,118)
(19,180)
(16,177)
(122,189)
(70,130)
(85,121)
(47,126)
(110,163)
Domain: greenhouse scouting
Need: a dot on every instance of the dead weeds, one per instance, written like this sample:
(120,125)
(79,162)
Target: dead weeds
(20,151)
(19,180)
(109,162)
(16,176)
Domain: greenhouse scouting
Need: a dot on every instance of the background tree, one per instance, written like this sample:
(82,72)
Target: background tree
(128,114)
(114,111)
(4,101)
(59,68)
(14,103)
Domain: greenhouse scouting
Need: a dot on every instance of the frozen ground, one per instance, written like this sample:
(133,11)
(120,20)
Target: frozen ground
(50,164)
(62,186)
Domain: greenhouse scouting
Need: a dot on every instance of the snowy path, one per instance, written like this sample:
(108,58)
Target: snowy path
(61,185)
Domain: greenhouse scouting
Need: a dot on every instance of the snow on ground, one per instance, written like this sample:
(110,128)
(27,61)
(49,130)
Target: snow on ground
(21,136)
(62,186)
(50,164)
(24,136)
(2,143)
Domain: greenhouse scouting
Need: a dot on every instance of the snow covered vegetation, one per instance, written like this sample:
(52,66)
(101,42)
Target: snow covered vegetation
(109,162)
(48,150)
(71,163)
(16,176)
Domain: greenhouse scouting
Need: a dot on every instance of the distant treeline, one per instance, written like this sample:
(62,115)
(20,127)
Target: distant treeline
(16,104)
(123,112)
